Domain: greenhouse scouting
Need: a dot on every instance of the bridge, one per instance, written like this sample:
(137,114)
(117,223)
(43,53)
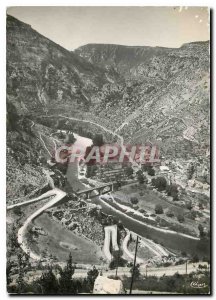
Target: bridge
(96,191)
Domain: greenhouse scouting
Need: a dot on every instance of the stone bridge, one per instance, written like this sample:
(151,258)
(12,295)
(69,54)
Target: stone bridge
(96,191)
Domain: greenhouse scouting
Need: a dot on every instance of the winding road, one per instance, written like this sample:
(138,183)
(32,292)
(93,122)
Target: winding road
(59,195)
(110,232)
(134,164)
(110,236)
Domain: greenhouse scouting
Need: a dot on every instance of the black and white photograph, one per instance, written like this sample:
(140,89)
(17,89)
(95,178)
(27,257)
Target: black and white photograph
(108,153)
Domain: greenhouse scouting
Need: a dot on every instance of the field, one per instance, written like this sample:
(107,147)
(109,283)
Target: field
(148,199)
(57,240)
(60,242)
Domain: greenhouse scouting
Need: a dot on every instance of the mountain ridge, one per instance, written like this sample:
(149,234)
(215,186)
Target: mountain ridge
(169,85)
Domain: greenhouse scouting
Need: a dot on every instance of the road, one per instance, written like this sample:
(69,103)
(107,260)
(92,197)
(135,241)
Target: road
(156,249)
(59,195)
(110,236)
(158,272)
(134,164)
(172,232)
(43,196)
(129,254)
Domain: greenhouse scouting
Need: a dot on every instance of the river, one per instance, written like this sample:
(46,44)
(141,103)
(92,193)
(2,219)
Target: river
(169,240)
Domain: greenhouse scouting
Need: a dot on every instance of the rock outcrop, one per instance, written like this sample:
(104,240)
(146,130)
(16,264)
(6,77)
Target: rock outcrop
(104,285)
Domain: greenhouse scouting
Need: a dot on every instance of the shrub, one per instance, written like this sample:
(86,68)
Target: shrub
(195,258)
(160,183)
(180,218)
(172,190)
(134,200)
(151,172)
(170,214)
(189,205)
(158,209)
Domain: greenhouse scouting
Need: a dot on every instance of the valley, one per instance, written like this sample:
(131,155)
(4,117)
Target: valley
(102,95)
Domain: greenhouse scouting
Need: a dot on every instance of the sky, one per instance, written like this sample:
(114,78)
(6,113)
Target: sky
(73,26)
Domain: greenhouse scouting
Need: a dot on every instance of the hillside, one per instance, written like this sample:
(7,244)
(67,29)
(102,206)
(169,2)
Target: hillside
(42,78)
(165,97)
(42,74)
(144,93)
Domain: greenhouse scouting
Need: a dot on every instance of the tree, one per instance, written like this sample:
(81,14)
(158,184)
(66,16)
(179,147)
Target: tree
(160,183)
(8,271)
(91,276)
(65,281)
(118,184)
(98,140)
(172,190)
(190,170)
(129,171)
(151,172)
(195,258)
(117,261)
(20,281)
(141,178)
(200,206)
(175,197)
(201,231)
(48,282)
(13,242)
(17,210)
(158,209)
(134,200)
(170,214)
(189,205)
(180,218)
(135,271)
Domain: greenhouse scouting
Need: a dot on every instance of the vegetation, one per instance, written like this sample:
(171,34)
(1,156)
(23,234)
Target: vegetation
(129,171)
(172,190)
(117,260)
(98,140)
(134,200)
(135,271)
(171,284)
(180,218)
(158,209)
(54,280)
(160,183)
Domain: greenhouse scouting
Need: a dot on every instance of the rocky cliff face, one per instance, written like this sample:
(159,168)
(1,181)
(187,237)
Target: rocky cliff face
(165,97)
(142,61)
(144,93)
(42,74)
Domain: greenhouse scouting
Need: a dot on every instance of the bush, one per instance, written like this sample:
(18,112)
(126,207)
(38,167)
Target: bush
(172,191)
(151,172)
(188,205)
(170,214)
(160,183)
(195,258)
(134,200)
(158,209)
(180,218)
